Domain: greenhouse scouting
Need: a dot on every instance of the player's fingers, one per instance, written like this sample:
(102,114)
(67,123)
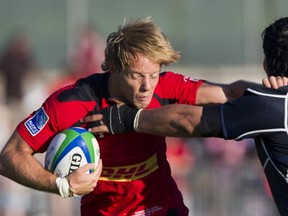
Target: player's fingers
(275,82)
(85,168)
(116,101)
(92,118)
(98,129)
(95,175)
(266,83)
(285,81)
(279,81)
(98,169)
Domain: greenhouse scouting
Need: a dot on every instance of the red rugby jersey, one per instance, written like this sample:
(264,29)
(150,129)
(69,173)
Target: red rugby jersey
(136,177)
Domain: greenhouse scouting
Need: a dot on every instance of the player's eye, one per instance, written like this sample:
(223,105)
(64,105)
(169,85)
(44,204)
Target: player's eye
(135,75)
(155,75)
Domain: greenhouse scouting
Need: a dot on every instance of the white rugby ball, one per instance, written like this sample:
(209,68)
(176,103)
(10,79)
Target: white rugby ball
(71,149)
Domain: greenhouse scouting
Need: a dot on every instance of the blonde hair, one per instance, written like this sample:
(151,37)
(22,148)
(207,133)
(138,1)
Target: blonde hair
(137,37)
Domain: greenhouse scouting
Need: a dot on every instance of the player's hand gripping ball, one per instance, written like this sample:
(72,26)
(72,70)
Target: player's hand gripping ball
(71,149)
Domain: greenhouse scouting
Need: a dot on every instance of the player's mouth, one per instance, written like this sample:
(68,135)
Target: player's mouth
(144,101)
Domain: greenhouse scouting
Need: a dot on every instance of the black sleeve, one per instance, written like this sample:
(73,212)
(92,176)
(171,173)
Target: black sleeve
(210,125)
(254,114)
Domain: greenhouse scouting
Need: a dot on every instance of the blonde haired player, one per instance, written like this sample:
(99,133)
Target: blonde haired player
(136,177)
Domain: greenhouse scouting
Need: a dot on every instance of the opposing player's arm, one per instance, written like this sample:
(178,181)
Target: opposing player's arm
(246,117)
(216,93)
(170,120)
(213,93)
(180,120)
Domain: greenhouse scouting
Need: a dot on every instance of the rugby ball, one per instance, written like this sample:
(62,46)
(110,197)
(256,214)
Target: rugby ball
(71,149)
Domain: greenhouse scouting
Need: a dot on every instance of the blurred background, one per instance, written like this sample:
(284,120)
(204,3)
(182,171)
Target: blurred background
(48,44)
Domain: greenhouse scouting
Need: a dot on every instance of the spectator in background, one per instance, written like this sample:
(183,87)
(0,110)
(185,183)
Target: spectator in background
(88,54)
(85,58)
(181,159)
(16,62)
(229,174)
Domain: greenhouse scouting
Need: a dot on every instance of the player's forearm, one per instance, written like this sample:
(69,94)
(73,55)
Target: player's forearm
(171,120)
(17,164)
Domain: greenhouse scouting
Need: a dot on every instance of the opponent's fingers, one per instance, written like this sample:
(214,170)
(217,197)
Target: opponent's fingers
(98,129)
(92,118)
(117,101)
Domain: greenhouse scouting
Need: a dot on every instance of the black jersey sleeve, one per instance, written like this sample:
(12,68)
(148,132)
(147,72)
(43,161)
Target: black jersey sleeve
(210,125)
(258,112)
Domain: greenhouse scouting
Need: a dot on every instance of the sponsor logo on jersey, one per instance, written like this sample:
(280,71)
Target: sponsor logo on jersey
(35,124)
(130,172)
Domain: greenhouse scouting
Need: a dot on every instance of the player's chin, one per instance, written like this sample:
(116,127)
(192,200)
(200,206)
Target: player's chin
(141,104)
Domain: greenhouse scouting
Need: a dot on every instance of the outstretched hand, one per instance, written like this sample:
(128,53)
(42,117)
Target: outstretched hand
(114,119)
(96,123)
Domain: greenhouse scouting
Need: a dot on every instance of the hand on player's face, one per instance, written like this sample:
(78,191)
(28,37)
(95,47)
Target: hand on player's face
(275,82)
(82,182)
(97,123)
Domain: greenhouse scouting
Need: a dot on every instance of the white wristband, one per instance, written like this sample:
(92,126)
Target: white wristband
(63,187)
(136,120)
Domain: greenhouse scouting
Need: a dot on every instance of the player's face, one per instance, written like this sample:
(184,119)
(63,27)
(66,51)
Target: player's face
(137,85)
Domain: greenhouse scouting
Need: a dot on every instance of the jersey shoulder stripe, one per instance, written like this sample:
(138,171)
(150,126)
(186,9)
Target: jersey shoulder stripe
(86,89)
